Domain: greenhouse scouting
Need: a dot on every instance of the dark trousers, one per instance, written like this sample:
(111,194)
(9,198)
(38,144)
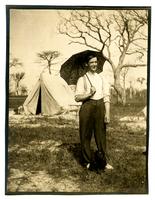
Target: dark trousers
(91,120)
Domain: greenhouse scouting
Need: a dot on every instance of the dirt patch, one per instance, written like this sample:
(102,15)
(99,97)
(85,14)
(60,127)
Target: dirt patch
(34,121)
(26,181)
(134,123)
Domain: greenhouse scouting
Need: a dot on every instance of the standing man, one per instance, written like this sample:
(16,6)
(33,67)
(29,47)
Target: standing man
(94,114)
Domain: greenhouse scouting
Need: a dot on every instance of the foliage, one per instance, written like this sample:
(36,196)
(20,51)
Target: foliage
(16,75)
(14,62)
(24,90)
(138,97)
(141,80)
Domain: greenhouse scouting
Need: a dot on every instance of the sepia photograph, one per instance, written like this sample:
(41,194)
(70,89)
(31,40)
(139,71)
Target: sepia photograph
(77,104)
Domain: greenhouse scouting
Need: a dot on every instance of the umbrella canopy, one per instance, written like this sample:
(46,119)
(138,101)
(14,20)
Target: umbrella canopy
(76,66)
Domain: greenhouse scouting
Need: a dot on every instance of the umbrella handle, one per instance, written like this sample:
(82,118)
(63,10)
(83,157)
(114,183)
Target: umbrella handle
(89,80)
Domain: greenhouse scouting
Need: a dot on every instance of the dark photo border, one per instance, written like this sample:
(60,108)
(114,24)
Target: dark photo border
(43,7)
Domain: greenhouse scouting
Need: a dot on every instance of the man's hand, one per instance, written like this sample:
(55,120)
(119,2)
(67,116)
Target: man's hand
(107,118)
(92,90)
(83,97)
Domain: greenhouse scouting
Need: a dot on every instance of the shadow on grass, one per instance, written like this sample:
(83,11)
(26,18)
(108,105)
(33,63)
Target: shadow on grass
(56,151)
(74,149)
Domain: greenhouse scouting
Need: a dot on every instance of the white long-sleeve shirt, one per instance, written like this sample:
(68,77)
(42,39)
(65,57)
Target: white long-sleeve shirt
(101,85)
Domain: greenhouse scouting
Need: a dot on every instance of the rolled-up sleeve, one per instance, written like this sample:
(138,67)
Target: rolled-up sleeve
(106,90)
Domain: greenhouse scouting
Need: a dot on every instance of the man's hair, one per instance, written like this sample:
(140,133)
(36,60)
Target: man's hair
(90,57)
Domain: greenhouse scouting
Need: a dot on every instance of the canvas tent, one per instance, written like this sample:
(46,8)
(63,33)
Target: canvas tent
(51,95)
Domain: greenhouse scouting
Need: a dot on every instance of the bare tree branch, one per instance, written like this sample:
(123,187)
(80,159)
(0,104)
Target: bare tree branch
(85,43)
(134,65)
(139,17)
(103,31)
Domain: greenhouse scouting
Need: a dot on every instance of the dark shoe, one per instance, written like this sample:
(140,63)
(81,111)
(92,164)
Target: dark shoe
(92,167)
(100,160)
(145,153)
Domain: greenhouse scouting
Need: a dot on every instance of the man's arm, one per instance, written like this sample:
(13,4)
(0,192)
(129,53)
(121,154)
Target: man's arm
(107,112)
(83,97)
(106,99)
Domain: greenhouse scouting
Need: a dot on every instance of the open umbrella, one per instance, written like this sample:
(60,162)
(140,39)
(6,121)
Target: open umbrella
(76,66)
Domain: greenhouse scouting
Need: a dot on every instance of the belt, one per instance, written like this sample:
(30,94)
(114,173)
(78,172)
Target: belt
(95,101)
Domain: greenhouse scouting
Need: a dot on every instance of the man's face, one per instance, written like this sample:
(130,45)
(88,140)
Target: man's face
(92,64)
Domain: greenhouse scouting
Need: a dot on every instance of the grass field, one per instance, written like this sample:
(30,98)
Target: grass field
(44,155)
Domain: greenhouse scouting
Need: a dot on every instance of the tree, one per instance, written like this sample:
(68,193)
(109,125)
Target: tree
(48,57)
(131,90)
(17,77)
(14,62)
(23,90)
(124,72)
(16,74)
(120,35)
(141,80)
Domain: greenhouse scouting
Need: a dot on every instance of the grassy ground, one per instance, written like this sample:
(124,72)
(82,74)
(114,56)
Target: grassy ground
(44,156)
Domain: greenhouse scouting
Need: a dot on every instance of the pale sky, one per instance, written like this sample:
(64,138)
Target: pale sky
(32,31)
